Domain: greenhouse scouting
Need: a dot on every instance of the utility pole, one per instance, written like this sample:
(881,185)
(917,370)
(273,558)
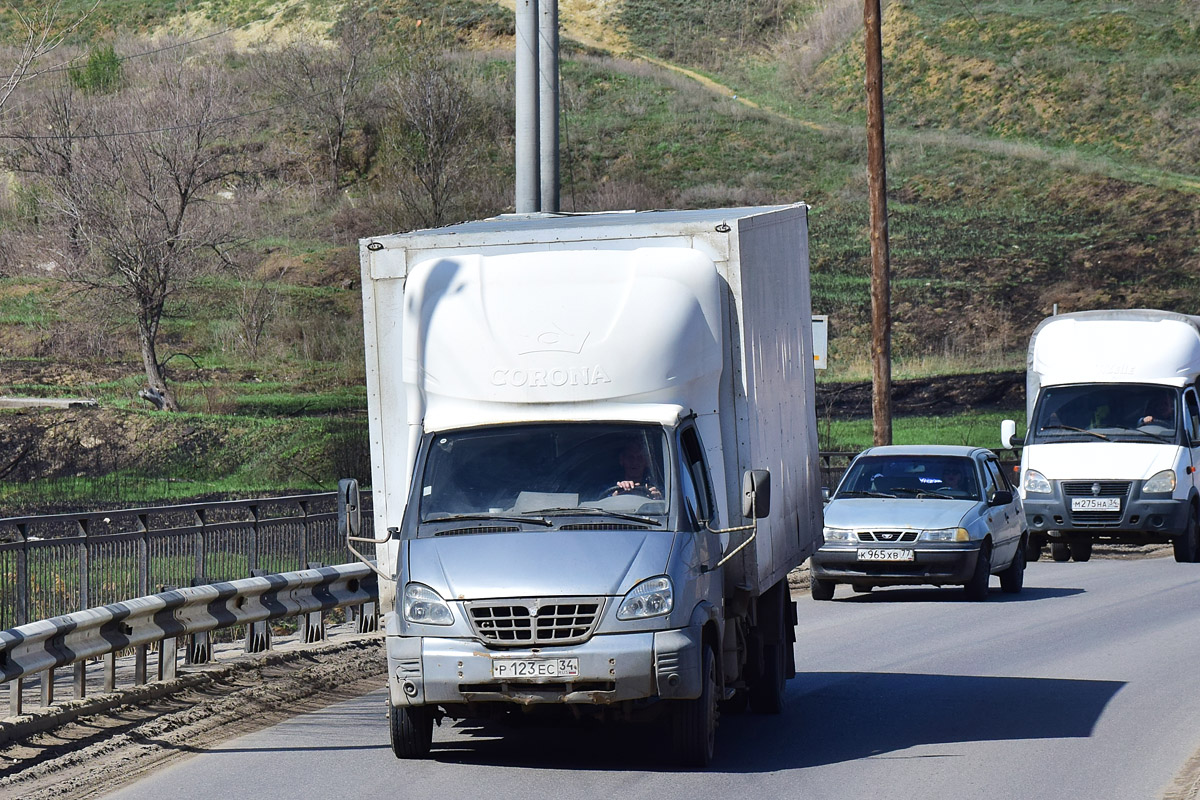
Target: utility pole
(526,96)
(881,293)
(548,103)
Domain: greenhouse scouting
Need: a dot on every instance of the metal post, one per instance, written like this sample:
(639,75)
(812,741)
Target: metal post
(80,680)
(252,556)
(199,545)
(881,319)
(139,664)
(304,536)
(167,658)
(16,692)
(548,103)
(22,609)
(84,545)
(48,688)
(527,178)
(144,555)
(110,672)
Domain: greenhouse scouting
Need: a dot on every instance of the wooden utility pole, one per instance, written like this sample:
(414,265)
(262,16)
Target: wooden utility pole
(881,293)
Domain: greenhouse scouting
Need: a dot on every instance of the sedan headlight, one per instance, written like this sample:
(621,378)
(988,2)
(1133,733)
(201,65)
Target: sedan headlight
(650,598)
(945,535)
(1160,483)
(425,606)
(1036,483)
(838,534)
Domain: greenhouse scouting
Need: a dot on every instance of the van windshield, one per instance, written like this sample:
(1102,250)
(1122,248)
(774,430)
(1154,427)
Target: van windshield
(1124,412)
(547,469)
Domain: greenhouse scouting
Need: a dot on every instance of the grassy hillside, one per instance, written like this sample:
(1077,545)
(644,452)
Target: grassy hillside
(1038,154)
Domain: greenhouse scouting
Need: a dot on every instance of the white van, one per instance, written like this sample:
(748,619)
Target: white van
(1113,435)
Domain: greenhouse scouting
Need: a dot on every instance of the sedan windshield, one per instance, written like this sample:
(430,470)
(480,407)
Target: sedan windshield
(1128,412)
(949,477)
(546,470)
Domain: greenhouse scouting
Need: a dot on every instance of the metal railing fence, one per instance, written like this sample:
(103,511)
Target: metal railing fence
(57,564)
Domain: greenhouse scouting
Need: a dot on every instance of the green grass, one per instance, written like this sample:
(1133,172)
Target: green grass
(977,429)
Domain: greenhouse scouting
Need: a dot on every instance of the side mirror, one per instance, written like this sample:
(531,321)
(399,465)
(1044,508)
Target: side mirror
(756,493)
(825,493)
(1001,497)
(1008,435)
(349,510)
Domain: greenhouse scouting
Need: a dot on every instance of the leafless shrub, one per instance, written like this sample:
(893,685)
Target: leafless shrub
(827,29)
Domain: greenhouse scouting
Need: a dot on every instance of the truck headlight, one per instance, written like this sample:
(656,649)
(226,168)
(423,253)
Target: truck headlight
(650,598)
(838,534)
(1036,483)
(424,606)
(945,535)
(1160,483)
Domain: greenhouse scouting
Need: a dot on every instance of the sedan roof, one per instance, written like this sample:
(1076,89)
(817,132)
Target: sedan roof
(923,450)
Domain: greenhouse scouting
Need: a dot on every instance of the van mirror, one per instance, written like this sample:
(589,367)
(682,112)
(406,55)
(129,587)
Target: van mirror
(1008,435)
(349,510)
(756,493)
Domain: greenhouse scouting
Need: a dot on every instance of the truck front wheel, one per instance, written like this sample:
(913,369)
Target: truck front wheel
(694,722)
(1188,542)
(412,730)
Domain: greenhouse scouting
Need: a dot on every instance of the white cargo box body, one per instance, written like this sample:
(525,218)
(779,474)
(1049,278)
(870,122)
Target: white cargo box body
(761,336)
(1112,346)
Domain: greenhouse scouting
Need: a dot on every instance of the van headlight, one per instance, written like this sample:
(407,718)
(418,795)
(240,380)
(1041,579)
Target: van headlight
(945,535)
(1036,483)
(424,606)
(838,534)
(1160,483)
(650,598)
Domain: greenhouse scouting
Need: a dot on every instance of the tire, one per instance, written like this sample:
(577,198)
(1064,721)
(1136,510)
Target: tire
(821,589)
(976,588)
(1059,551)
(767,687)
(862,588)
(1081,550)
(1012,579)
(1033,552)
(411,729)
(694,722)
(1187,545)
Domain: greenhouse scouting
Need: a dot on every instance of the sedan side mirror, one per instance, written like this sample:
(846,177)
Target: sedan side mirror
(1001,497)
(756,493)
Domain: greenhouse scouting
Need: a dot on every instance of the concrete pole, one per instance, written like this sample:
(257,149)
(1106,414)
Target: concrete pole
(881,293)
(548,102)
(527,180)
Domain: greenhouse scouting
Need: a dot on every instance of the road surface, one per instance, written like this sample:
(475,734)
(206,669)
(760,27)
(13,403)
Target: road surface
(1083,686)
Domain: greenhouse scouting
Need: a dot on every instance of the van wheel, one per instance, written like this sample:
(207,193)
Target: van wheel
(1081,550)
(767,687)
(1188,543)
(411,729)
(1059,551)
(821,589)
(1012,579)
(976,589)
(694,723)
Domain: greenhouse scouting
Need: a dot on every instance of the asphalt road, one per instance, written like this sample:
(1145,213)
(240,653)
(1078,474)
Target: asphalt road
(1083,686)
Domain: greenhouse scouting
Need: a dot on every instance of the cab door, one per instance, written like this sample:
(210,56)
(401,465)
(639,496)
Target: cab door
(1191,431)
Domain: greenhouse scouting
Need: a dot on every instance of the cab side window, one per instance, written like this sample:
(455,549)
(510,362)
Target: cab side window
(696,474)
(1193,415)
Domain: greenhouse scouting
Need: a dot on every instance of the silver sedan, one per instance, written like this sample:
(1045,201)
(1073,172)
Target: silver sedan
(927,514)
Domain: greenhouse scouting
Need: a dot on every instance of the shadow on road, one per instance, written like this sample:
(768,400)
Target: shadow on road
(952,594)
(829,718)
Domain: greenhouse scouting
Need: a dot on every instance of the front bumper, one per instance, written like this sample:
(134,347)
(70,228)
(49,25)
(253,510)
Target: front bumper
(1141,517)
(612,669)
(943,564)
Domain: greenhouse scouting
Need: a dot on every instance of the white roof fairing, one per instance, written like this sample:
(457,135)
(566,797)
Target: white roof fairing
(486,334)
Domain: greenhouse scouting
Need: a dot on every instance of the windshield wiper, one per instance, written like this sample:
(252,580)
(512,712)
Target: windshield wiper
(1073,428)
(598,511)
(492,517)
(1160,437)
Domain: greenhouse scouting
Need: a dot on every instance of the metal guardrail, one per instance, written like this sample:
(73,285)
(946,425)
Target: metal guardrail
(56,564)
(39,648)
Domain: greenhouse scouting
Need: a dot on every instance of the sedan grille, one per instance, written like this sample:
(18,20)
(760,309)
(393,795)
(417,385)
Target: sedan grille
(523,623)
(888,537)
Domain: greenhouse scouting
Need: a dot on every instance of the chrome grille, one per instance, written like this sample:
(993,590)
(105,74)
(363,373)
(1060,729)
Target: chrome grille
(1084,488)
(521,623)
(888,537)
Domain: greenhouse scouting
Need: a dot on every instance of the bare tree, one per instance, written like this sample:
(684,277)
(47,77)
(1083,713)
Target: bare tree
(137,178)
(436,138)
(326,86)
(42,32)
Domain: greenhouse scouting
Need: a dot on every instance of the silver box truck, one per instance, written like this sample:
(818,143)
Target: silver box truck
(594,462)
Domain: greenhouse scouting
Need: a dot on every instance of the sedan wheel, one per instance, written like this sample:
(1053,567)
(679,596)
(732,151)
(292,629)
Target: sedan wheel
(821,589)
(1012,580)
(977,588)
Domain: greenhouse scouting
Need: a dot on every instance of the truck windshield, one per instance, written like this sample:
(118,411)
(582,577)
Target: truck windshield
(547,469)
(1126,412)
